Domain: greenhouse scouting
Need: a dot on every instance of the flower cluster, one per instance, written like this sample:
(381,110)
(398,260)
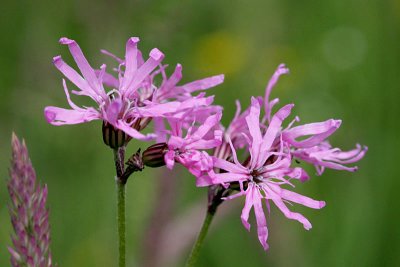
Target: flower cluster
(133,98)
(29,215)
(187,127)
(271,149)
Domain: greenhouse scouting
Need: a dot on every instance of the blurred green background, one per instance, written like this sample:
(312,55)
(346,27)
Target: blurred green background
(344,62)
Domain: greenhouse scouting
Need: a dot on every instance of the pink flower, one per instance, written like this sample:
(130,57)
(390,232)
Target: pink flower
(265,174)
(133,100)
(189,150)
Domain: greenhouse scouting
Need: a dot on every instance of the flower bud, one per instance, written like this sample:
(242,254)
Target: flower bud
(135,162)
(114,137)
(153,156)
(141,123)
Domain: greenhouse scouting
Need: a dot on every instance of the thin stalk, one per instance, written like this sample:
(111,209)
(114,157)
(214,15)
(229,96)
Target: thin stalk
(194,254)
(119,155)
(121,223)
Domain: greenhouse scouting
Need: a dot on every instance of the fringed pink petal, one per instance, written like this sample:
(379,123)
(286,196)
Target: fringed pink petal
(297,198)
(229,167)
(273,130)
(169,158)
(113,111)
(107,53)
(167,88)
(108,79)
(205,144)
(176,142)
(202,84)
(83,65)
(292,215)
(207,125)
(75,78)
(319,131)
(131,60)
(262,230)
(60,116)
(160,130)
(156,56)
(204,180)
(323,156)
(123,126)
(155,110)
(253,123)
(272,82)
(247,206)
(221,178)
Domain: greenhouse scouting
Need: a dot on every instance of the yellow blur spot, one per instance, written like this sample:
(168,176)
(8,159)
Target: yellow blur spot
(396,7)
(220,52)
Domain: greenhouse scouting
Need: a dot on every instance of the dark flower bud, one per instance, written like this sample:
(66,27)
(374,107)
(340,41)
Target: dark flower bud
(141,123)
(135,162)
(153,156)
(114,137)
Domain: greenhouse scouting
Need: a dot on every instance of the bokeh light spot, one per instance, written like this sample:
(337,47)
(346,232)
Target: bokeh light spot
(344,47)
(220,52)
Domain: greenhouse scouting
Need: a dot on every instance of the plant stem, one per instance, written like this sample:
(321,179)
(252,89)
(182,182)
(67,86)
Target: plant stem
(121,222)
(194,254)
(119,155)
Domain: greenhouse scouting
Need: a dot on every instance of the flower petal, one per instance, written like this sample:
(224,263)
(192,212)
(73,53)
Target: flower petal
(297,198)
(262,230)
(228,166)
(319,131)
(292,215)
(60,116)
(247,206)
(75,78)
(204,180)
(83,65)
(272,82)
(123,126)
(156,56)
(228,177)
(272,131)
(108,79)
(131,62)
(207,125)
(202,84)
(253,123)
(113,110)
(169,158)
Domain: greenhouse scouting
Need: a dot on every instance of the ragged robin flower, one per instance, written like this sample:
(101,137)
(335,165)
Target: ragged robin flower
(133,99)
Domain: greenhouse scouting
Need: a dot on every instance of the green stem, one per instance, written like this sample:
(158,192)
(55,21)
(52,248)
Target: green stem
(121,222)
(119,155)
(194,254)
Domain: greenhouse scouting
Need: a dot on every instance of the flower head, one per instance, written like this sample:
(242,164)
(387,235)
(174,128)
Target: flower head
(134,99)
(263,176)
(29,215)
(190,150)
(271,149)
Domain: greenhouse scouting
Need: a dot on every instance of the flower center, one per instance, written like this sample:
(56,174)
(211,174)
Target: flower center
(257,176)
